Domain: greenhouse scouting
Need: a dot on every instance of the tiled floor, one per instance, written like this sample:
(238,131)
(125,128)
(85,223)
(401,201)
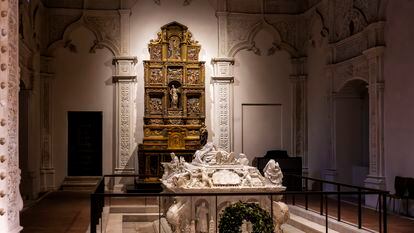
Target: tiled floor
(68,212)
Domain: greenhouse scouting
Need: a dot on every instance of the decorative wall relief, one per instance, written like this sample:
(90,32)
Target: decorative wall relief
(193,76)
(156,76)
(193,107)
(174,48)
(192,54)
(175,74)
(155,52)
(155,105)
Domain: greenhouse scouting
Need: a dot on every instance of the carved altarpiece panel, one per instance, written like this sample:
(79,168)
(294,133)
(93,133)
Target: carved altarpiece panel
(174,98)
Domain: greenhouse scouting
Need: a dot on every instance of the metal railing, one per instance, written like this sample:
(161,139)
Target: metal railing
(99,195)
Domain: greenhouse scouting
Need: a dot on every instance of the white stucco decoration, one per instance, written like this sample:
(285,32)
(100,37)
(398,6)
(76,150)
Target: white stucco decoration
(214,169)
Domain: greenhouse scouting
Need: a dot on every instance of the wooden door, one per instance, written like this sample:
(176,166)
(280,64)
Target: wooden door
(84,143)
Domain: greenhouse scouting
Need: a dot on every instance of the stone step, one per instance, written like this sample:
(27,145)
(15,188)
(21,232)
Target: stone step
(80,183)
(306,225)
(307,220)
(140,217)
(134,209)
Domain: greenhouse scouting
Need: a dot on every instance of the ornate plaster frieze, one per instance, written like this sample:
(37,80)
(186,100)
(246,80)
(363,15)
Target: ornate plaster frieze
(125,78)
(105,25)
(223,78)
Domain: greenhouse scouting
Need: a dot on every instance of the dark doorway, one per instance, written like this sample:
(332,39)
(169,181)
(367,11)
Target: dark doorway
(84,143)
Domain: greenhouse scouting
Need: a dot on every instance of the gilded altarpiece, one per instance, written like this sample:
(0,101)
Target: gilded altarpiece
(174,98)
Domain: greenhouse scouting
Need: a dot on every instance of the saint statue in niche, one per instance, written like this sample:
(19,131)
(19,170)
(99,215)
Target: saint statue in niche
(202,218)
(174,48)
(174,96)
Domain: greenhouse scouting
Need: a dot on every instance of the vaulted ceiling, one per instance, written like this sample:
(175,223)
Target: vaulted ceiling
(241,6)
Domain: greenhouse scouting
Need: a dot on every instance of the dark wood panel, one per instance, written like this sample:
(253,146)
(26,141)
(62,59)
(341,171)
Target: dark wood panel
(84,143)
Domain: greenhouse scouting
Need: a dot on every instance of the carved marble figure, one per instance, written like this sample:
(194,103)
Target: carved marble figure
(215,169)
(280,215)
(273,172)
(202,218)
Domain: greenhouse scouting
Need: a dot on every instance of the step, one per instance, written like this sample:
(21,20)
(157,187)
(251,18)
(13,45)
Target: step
(140,217)
(133,209)
(298,217)
(80,183)
(306,225)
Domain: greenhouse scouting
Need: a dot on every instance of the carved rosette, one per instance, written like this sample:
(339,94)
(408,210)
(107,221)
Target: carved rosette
(222,82)
(124,78)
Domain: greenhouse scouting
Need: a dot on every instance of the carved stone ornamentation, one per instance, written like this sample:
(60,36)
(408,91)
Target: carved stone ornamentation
(12,203)
(124,79)
(222,81)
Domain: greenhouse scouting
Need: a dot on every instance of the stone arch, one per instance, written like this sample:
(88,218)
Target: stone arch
(357,19)
(100,41)
(351,131)
(277,42)
(348,81)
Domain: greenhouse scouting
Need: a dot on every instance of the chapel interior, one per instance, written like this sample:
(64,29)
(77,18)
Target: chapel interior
(101,87)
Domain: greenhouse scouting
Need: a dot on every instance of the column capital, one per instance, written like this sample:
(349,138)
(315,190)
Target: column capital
(124,12)
(124,68)
(223,69)
(298,78)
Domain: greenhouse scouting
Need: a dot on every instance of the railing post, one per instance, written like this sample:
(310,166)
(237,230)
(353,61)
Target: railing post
(326,213)
(306,194)
(321,203)
(159,213)
(384,199)
(93,214)
(359,209)
(380,211)
(338,189)
(216,216)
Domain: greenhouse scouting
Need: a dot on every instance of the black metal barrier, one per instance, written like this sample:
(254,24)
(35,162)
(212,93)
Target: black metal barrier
(99,195)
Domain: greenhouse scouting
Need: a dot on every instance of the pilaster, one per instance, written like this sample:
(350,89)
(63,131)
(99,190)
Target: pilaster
(10,199)
(47,170)
(223,79)
(125,31)
(299,111)
(375,57)
(222,16)
(124,79)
